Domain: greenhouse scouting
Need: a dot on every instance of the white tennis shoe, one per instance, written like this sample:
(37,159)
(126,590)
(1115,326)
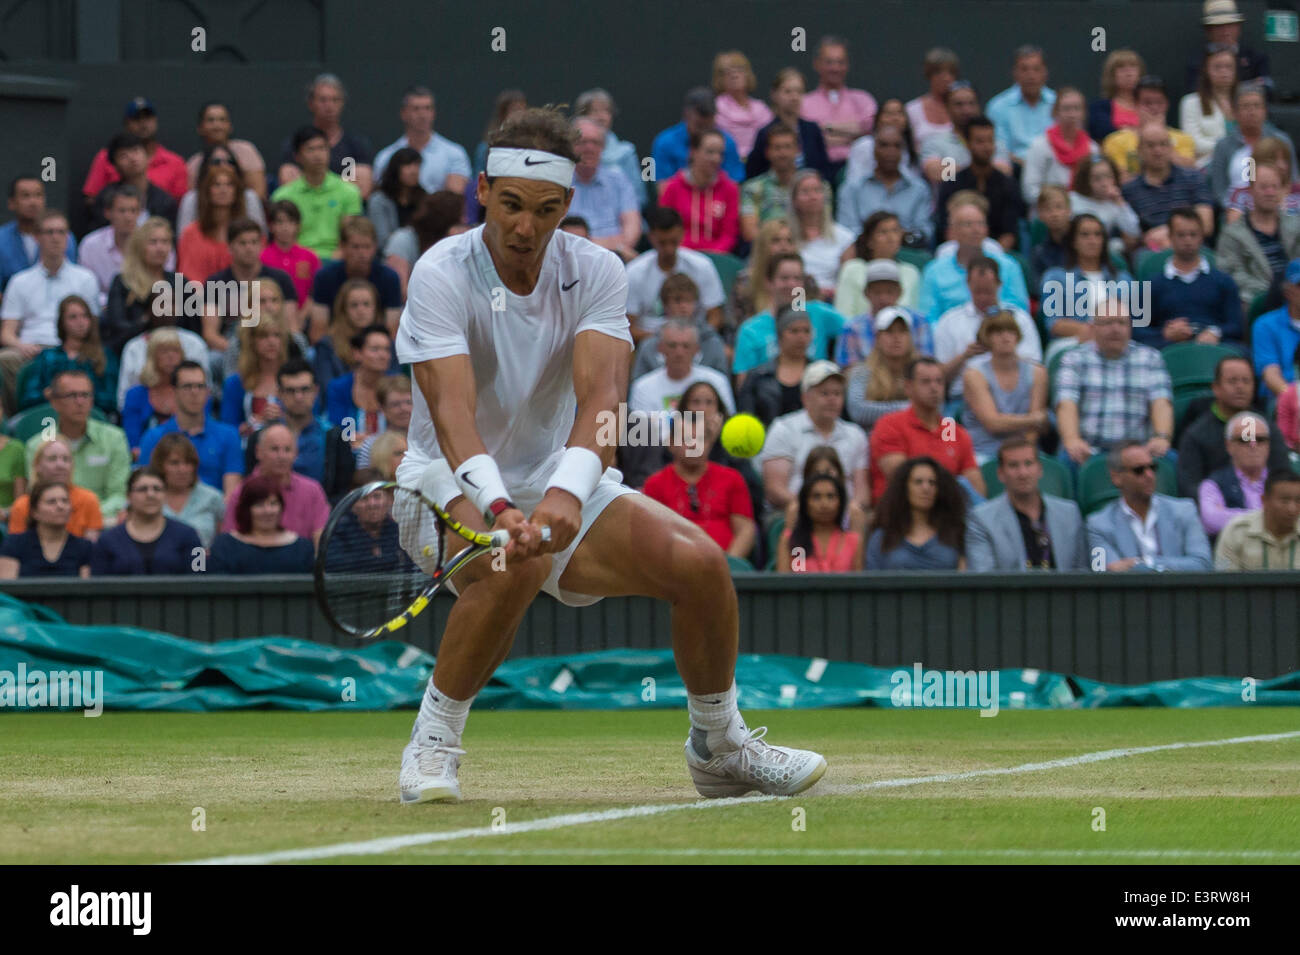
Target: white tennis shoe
(429,773)
(773,770)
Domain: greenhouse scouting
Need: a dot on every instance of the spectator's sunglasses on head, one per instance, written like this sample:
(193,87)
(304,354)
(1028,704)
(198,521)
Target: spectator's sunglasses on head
(220,161)
(693,498)
(956,85)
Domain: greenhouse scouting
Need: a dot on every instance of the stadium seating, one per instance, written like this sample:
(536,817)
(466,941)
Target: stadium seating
(739,564)
(1182,401)
(1056,478)
(1191,366)
(29,421)
(774,541)
(1096,490)
(1153,264)
(917,257)
(728,267)
(24,376)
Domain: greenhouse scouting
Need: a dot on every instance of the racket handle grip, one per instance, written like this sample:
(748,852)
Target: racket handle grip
(500,538)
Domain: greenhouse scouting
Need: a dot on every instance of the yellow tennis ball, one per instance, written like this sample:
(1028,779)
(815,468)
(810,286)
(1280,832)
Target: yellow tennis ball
(743,436)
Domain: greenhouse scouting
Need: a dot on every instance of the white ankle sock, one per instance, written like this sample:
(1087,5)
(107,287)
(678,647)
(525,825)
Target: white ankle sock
(716,723)
(441,719)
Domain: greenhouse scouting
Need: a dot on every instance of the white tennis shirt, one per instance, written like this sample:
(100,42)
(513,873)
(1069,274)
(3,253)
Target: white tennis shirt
(520,346)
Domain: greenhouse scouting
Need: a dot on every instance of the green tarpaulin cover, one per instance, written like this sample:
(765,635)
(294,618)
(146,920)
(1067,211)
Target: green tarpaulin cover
(143,670)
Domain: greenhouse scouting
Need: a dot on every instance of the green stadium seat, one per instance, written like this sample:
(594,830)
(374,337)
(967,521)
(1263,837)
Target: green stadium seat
(1096,491)
(1256,308)
(739,564)
(1037,231)
(728,267)
(1027,270)
(917,257)
(1056,479)
(1184,400)
(28,421)
(1153,264)
(1191,366)
(774,540)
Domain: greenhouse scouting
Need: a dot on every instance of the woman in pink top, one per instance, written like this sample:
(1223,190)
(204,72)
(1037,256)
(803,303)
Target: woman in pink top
(202,248)
(705,197)
(928,113)
(740,115)
(816,544)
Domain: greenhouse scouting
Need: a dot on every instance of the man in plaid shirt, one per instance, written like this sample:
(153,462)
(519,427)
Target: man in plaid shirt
(1112,390)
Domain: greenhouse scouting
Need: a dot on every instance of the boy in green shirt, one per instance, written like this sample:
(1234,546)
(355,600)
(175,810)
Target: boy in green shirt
(323,197)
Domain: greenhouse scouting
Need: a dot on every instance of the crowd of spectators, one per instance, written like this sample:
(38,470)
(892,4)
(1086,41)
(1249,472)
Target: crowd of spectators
(930,303)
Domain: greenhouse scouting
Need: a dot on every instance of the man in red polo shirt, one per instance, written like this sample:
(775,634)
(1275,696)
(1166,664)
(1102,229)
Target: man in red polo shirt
(921,429)
(166,168)
(711,495)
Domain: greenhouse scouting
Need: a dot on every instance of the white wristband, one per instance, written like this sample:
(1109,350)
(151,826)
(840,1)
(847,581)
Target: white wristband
(440,484)
(480,481)
(578,473)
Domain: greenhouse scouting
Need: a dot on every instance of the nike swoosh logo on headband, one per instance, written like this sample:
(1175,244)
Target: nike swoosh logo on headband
(528,161)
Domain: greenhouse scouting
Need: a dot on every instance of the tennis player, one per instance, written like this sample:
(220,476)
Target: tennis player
(518,337)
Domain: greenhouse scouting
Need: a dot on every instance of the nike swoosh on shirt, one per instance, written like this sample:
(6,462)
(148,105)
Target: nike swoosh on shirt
(565,288)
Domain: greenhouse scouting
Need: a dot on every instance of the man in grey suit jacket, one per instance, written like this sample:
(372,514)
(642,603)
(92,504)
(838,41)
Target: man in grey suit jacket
(1024,529)
(1144,530)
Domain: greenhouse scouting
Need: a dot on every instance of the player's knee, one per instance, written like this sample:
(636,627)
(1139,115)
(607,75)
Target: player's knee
(700,566)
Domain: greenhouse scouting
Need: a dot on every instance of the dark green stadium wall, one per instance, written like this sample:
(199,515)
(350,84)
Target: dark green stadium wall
(259,55)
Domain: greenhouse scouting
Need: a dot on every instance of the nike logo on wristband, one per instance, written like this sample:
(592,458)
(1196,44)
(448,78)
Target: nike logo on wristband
(465,478)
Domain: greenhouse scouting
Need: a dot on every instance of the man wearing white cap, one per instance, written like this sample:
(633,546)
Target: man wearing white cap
(793,435)
(884,288)
(518,338)
(1222,22)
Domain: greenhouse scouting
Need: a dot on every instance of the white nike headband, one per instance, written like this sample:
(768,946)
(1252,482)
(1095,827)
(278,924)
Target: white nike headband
(530,164)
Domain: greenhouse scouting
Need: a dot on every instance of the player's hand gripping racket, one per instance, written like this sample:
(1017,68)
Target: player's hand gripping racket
(367,583)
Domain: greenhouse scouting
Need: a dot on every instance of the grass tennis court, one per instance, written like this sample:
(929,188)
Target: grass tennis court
(124,788)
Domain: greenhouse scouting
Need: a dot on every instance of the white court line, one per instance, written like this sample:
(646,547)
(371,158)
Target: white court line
(389,843)
(902,853)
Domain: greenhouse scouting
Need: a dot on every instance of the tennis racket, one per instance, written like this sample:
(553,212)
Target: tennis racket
(382,557)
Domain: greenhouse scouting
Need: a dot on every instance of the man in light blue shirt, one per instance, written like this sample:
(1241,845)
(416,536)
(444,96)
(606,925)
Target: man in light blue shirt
(889,188)
(943,281)
(603,196)
(443,164)
(1023,112)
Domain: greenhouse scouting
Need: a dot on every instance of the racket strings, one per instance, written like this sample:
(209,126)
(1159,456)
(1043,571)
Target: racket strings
(368,575)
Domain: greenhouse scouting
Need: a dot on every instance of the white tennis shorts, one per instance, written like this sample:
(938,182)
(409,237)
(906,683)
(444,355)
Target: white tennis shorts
(527,496)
